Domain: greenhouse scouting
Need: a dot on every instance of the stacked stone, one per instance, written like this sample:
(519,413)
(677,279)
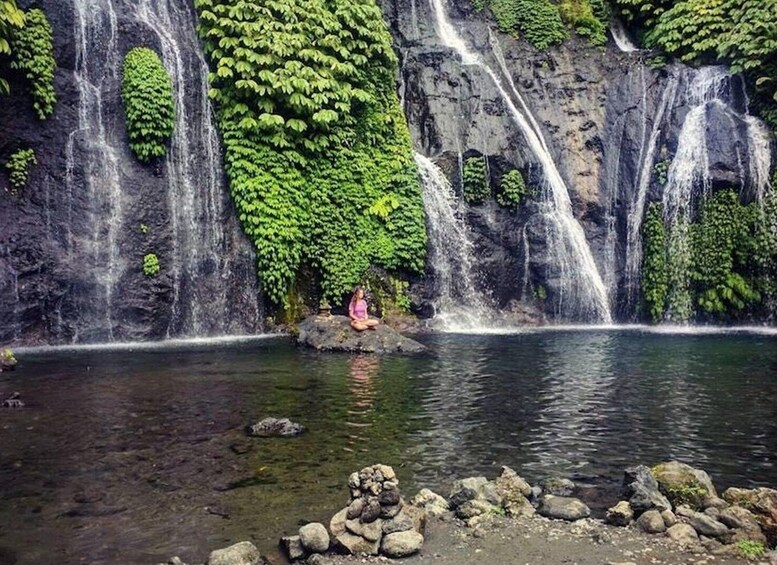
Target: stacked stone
(681,502)
(376,519)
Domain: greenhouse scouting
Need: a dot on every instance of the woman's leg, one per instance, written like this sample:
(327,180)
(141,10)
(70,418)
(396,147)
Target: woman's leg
(359,325)
(372,323)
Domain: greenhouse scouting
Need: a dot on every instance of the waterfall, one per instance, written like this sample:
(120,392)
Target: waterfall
(97,78)
(689,180)
(195,189)
(458,305)
(621,37)
(581,293)
(637,207)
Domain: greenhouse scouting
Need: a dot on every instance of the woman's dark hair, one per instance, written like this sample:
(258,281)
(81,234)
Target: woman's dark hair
(355,292)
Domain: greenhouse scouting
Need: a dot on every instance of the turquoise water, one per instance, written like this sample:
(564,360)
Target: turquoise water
(131,456)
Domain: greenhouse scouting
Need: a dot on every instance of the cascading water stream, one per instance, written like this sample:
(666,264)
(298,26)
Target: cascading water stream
(459,306)
(97,77)
(582,294)
(195,184)
(621,37)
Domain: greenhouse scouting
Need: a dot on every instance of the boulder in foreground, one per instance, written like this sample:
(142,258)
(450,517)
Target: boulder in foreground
(334,333)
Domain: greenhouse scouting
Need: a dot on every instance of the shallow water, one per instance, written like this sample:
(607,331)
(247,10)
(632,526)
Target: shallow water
(131,456)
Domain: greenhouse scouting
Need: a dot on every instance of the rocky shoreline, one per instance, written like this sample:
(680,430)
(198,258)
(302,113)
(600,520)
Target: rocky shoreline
(670,513)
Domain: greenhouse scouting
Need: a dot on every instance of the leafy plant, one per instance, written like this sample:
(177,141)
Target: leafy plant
(149,109)
(654,269)
(18,166)
(751,549)
(11,20)
(151,266)
(539,21)
(588,22)
(661,170)
(540,293)
(475,181)
(690,494)
(33,55)
(143,229)
(512,189)
(317,151)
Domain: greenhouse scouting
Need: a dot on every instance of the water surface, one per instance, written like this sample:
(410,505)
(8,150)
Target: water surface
(131,456)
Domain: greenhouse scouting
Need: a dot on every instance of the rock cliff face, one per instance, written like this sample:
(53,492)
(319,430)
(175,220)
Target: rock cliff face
(607,120)
(72,243)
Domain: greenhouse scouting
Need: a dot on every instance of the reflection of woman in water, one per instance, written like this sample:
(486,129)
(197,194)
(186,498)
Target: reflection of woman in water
(357,311)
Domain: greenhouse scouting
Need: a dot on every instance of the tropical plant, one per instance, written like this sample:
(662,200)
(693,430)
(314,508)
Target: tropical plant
(476,185)
(151,266)
(33,54)
(317,151)
(11,19)
(18,166)
(654,269)
(149,109)
(512,189)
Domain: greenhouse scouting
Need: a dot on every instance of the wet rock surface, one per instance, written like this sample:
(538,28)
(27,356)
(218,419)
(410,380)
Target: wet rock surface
(269,427)
(334,333)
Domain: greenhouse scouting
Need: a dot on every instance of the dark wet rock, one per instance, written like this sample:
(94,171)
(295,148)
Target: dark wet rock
(557,486)
(243,553)
(620,515)
(355,509)
(651,522)
(702,523)
(401,544)
(682,484)
(334,333)
(220,511)
(562,508)
(314,537)
(371,511)
(465,490)
(762,503)
(292,547)
(275,427)
(402,522)
(13,401)
(642,491)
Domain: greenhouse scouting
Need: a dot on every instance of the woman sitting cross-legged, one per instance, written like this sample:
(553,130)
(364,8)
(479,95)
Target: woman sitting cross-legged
(357,311)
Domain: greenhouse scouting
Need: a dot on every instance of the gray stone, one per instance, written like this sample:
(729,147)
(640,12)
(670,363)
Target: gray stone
(682,484)
(683,534)
(642,492)
(465,490)
(243,553)
(620,515)
(337,523)
(743,523)
(275,427)
(651,522)
(399,523)
(371,531)
(418,516)
(390,511)
(354,481)
(334,333)
(292,547)
(473,508)
(669,518)
(371,511)
(314,537)
(558,486)
(707,525)
(431,502)
(387,472)
(401,544)
(562,507)
(712,512)
(355,508)
(762,502)
(389,497)
(509,483)
(714,502)
(356,545)
(490,493)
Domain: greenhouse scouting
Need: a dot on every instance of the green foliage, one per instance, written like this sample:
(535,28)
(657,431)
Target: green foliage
(151,265)
(539,21)
(149,109)
(477,189)
(33,55)
(512,189)
(7,357)
(18,166)
(654,273)
(690,494)
(317,152)
(11,19)
(387,293)
(661,170)
(750,549)
(540,293)
(588,18)
(143,229)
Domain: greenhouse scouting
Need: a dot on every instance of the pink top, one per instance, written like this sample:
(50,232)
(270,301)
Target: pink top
(358,309)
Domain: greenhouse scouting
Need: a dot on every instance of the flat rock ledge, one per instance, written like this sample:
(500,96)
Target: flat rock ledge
(334,333)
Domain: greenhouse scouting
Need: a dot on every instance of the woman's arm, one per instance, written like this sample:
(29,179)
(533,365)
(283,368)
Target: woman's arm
(351,315)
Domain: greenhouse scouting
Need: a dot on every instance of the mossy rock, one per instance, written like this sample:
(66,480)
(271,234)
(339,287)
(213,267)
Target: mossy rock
(682,484)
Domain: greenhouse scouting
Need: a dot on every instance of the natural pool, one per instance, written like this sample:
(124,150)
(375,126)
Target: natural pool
(132,456)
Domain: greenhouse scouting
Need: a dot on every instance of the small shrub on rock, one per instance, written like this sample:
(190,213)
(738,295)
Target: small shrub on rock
(476,186)
(151,265)
(512,189)
(18,166)
(33,55)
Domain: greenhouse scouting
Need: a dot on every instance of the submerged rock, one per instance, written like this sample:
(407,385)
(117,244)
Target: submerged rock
(13,401)
(557,486)
(334,333)
(275,427)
